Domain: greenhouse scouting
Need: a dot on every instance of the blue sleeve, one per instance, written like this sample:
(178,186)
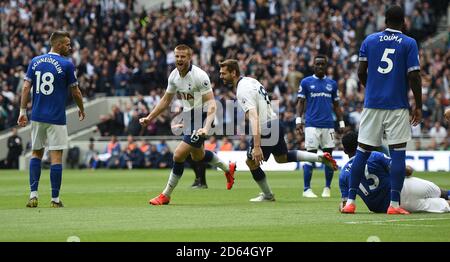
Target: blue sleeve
(363,51)
(412,62)
(71,76)
(29,76)
(335,92)
(302,89)
(343,182)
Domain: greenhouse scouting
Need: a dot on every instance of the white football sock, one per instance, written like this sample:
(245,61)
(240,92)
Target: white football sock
(307,156)
(34,194)
(171,184)
(217,162)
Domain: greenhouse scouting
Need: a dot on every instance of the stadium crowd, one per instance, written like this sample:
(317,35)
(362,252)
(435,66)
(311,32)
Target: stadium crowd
(120,50)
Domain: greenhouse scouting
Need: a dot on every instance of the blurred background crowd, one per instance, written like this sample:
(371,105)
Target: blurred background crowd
(121,50)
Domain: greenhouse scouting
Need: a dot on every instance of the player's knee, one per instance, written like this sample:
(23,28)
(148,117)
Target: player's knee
(179,157)
(251,164)
(197,157)
(281,159)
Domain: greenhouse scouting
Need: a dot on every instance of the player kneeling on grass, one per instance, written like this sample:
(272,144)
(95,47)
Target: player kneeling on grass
(417,195)
(255,102)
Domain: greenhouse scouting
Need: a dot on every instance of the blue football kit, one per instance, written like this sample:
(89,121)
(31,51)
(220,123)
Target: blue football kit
(320,93)
(374,188)
(51,76)
(391,55)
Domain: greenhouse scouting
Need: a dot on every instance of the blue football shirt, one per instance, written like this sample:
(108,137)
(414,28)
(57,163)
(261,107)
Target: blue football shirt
(391,55)
(375,186)
(51,75)
(319,94)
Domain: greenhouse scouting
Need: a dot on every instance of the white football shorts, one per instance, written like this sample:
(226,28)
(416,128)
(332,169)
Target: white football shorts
(55,135)
(315,137)
(375,122)
(419,195)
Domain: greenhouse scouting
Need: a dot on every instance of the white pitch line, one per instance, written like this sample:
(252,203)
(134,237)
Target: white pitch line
(395,220)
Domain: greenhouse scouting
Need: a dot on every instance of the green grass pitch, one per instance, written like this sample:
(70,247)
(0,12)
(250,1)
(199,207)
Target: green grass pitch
(112,205)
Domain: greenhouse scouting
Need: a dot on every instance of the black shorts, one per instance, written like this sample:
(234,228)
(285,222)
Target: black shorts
(188,135)
(277,149)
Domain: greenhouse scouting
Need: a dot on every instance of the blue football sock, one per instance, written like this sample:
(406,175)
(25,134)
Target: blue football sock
(357,171)
(55,179)
(398,170)
(328,176)
(307,175)
(448,194)
(35,173)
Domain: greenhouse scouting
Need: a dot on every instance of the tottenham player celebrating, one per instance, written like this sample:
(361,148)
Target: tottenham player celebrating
(51,75)
(254,100)
(193,85)
(321,98)
(418,195)
(388,67)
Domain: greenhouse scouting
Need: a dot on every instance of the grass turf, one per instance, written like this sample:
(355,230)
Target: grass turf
(112,205)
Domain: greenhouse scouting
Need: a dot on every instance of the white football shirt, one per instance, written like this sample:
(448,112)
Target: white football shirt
(191,87)
(250,94)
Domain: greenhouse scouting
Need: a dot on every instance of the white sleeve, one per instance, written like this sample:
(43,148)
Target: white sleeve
(171,88)
(204,84)
(246,99)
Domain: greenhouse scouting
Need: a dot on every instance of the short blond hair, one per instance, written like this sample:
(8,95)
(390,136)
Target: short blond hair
(231,65)
(184,47)
(57,36)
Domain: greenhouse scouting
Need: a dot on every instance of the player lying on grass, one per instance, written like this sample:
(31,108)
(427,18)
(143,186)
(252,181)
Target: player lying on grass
(266,129)
(417,195)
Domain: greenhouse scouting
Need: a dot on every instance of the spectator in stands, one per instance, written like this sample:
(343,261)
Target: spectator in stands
(15,149)
(273,40)
(438,134)
(91,156)
(111,156)
(242,145)
(151,161)
(211,144)
(166,159)
(226,145)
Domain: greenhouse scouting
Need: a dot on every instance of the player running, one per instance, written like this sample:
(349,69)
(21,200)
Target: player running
(193,85)
(255,102)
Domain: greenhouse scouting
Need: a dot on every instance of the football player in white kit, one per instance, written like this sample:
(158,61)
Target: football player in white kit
(266,129)
(193,85)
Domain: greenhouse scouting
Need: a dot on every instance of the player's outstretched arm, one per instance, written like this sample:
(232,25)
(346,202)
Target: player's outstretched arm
(78,98)
(208,100)
(159,108)
(23,119)
(415,82)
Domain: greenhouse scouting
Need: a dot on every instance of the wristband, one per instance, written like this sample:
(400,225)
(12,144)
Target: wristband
(298,120)
(341,124)
(23,111)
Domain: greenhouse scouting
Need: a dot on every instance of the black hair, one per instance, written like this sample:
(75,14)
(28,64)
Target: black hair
(350,142)
(395,16)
